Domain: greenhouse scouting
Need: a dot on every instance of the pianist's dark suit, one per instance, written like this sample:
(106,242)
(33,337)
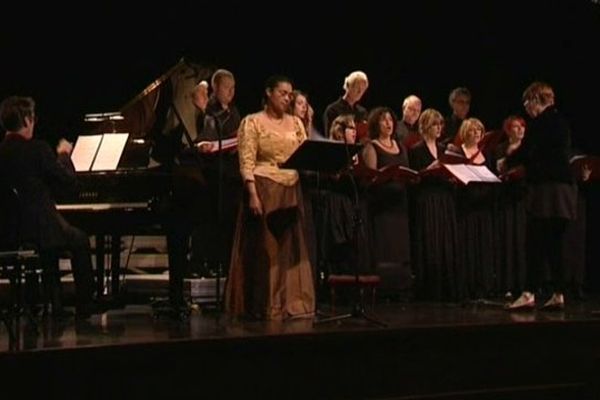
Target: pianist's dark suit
(33,169)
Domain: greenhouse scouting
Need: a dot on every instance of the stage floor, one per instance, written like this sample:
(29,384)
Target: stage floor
(139,324)
(425,350)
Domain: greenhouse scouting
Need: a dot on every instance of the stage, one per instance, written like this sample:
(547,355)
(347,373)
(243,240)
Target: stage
(426,351)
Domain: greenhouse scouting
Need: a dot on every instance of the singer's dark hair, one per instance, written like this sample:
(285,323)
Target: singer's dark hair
(375,116)
(273,81)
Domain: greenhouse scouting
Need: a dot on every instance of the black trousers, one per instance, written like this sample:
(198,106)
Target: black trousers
(545,254)
(77,245)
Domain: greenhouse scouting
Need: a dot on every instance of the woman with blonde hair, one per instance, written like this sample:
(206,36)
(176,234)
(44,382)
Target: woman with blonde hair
(433,218)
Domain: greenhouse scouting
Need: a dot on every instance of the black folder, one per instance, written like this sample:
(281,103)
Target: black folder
(321,155)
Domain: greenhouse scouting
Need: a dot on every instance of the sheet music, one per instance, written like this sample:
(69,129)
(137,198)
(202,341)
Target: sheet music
(84,151)
(484,174)
(110,151)
(471,173)
(225,144)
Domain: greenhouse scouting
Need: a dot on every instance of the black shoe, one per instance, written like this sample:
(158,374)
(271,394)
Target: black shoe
(579,294)
(61,314)
(178,310)
(180,313)
(207,273)
(110,302)
(85,311)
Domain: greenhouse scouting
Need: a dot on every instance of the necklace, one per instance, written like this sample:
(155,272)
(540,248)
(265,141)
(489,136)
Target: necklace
(387,146)
(275,120)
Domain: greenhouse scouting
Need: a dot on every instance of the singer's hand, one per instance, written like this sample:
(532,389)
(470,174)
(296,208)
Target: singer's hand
(200,95)
(64,147)
(204,147)
(255,205)
(586,172)
(435,164)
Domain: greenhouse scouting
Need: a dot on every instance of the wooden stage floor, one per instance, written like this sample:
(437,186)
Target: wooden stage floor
(425,351)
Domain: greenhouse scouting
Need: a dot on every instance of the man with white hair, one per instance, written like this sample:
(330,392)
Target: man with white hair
(355,86)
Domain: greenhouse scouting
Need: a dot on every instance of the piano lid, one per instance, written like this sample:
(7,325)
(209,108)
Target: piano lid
(151,111)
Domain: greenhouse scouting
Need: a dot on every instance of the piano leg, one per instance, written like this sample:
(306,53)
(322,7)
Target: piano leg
(100,249)
(115,263)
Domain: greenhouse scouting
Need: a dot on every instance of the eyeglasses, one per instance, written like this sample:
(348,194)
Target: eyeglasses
(284,93)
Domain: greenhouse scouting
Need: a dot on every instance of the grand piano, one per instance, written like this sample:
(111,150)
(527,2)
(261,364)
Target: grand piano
(128,200)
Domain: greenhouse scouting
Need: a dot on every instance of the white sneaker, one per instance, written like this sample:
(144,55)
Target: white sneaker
(525,302)
(556,302)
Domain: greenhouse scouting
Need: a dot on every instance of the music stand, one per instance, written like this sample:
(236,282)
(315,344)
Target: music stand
(321,156)
(332,157)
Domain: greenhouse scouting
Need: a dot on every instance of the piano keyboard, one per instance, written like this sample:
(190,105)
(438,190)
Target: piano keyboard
(103,206)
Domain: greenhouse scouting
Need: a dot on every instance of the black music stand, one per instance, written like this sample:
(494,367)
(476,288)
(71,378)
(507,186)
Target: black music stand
(220,219)
(321,156)
(332,157)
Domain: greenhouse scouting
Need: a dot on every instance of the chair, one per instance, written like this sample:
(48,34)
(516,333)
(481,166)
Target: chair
(360,283)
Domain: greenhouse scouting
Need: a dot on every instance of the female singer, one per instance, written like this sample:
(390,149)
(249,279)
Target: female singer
(474,204)
(270,274)
(510,217)
(433,210)
(388,202)
(343,244)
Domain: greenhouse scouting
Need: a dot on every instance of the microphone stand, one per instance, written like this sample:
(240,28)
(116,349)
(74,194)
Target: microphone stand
(176,274)
(219,129)
(358,309)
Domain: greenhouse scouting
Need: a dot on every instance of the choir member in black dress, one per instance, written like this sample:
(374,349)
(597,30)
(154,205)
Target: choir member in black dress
(510,217)
(474,204)
(388,202)
(433,210)
(343,243)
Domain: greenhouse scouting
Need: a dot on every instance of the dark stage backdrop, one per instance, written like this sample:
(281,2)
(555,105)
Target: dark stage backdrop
(97,61)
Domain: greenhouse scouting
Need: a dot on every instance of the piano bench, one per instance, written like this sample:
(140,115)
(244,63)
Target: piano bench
(18,267)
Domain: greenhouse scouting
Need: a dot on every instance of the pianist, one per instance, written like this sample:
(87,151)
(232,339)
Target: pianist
(34,170)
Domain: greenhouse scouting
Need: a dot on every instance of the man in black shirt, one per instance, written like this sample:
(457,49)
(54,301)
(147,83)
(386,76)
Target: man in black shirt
(200,173)
(355,86)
